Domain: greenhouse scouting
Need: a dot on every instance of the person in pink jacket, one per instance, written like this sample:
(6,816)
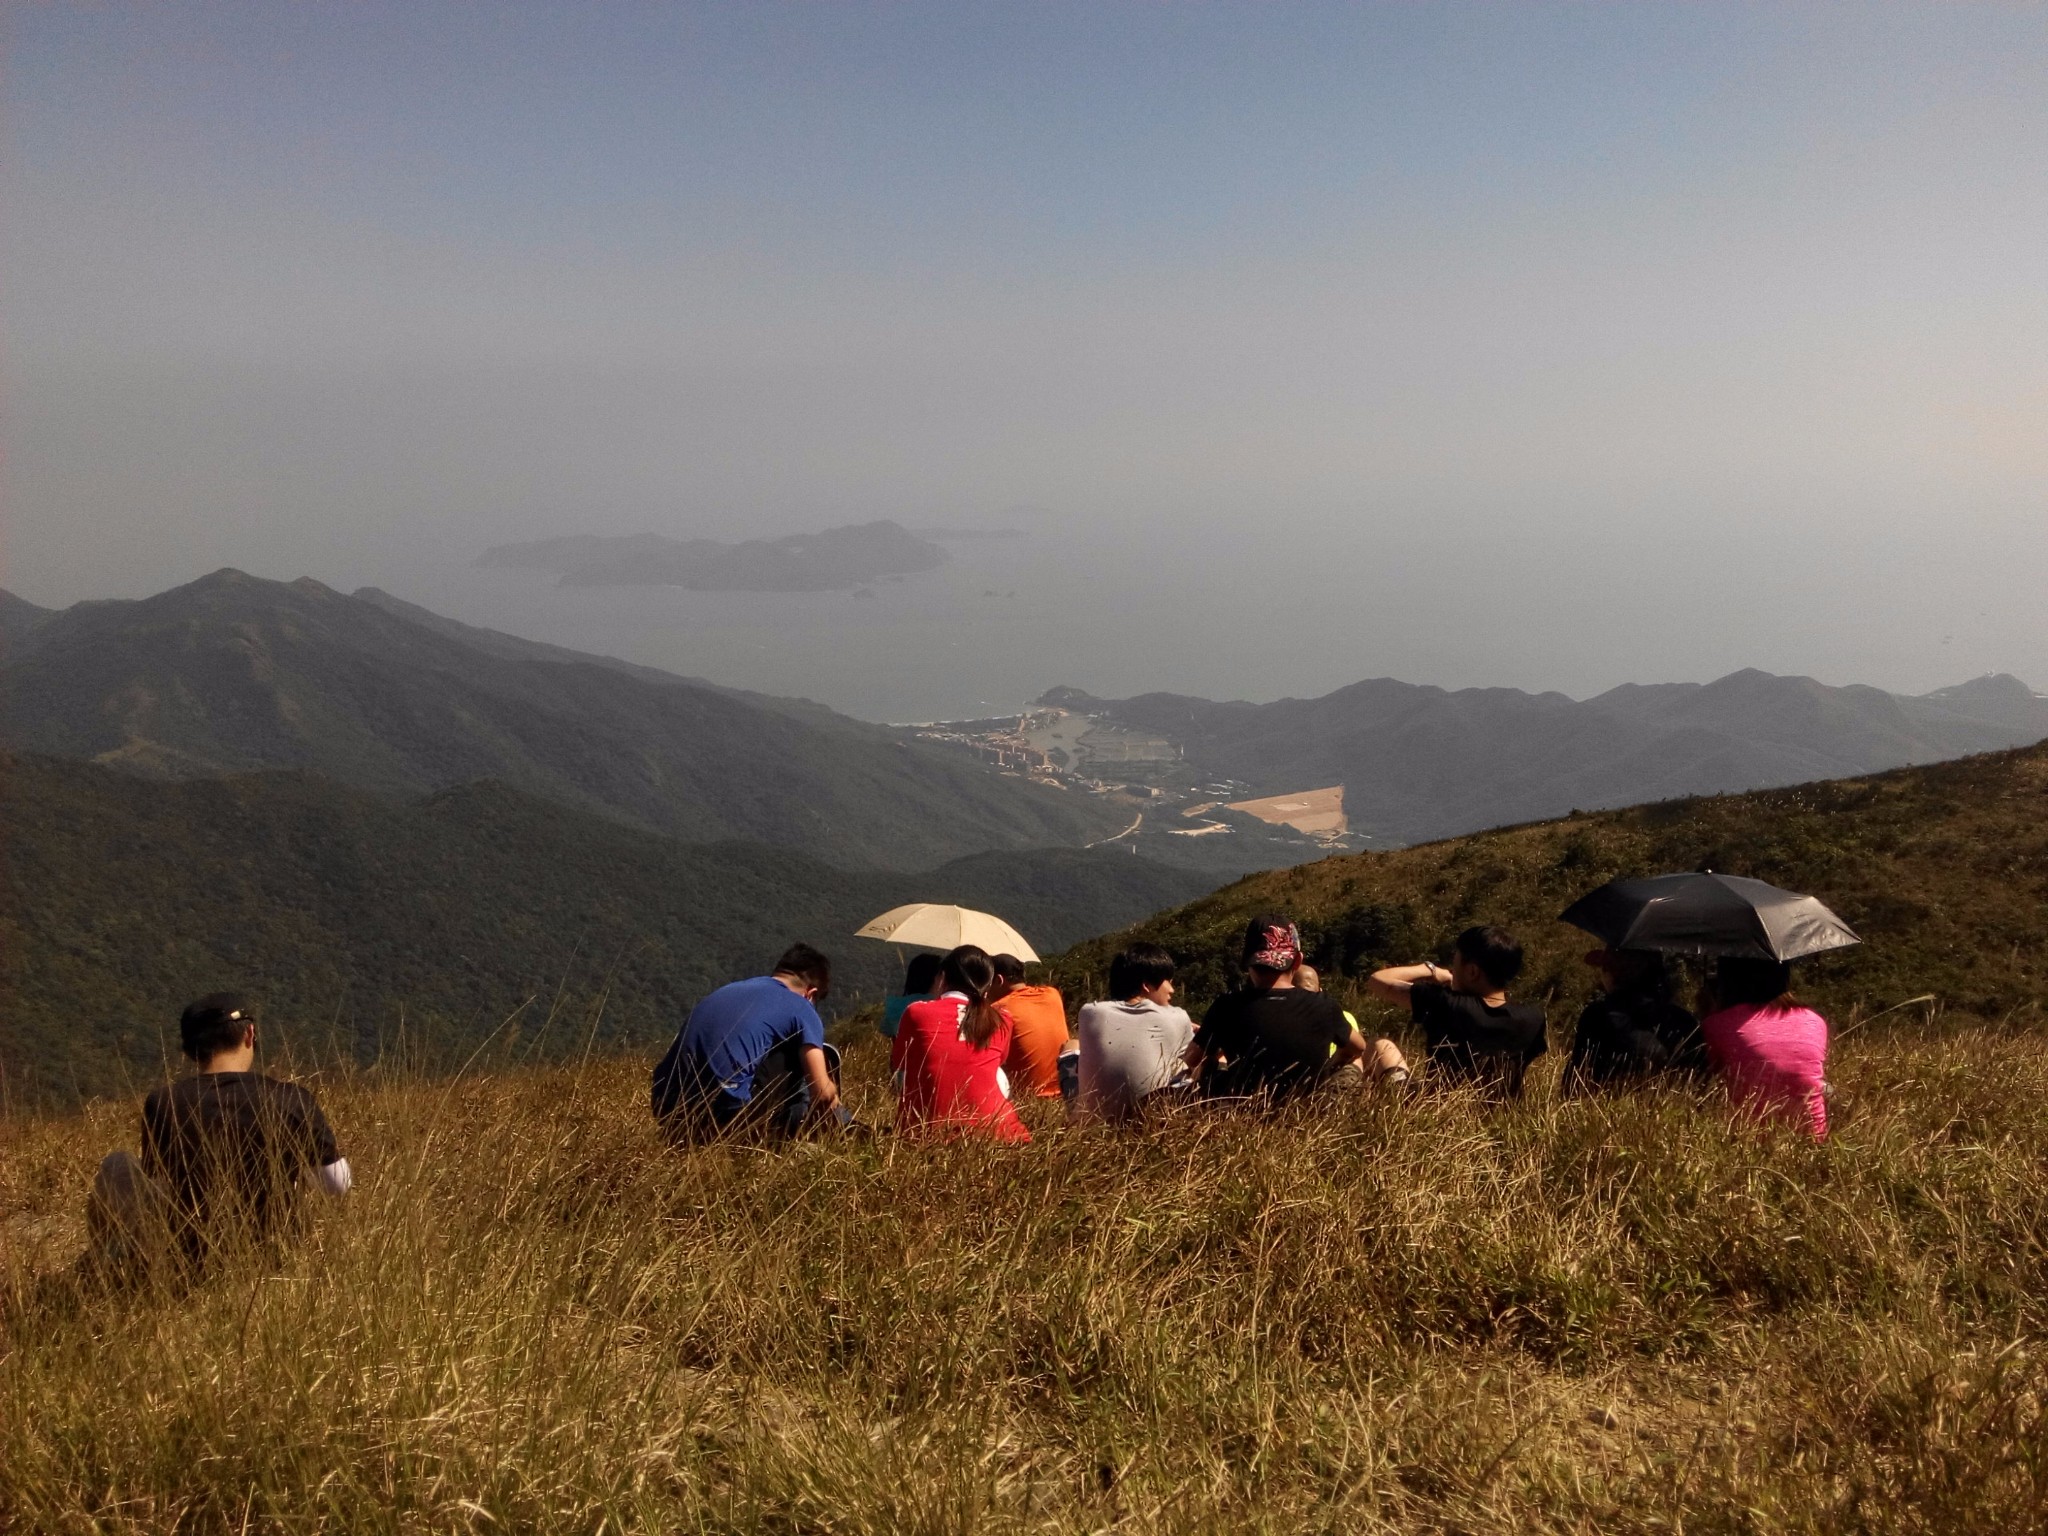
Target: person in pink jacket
(1771,1051)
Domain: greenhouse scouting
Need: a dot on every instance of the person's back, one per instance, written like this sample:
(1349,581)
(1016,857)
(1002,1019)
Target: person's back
(1038,1031)
(1134,1045)
(949,1053)
(1474,1035)
(225,1153)
(230,1148)
(1772,1051)
(1273,1039)
(751,1051)
(1633,1032)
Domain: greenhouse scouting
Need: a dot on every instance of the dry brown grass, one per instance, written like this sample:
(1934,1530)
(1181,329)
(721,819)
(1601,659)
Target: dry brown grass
(1622,1316)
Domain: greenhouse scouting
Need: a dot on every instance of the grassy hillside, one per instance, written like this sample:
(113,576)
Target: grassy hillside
(232,674)
(1375,1313)
(1942,870)
(363,923)
(1622,1317)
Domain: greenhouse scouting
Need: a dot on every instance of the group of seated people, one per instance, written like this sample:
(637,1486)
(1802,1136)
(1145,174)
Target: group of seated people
(228,1149)
(969,1038)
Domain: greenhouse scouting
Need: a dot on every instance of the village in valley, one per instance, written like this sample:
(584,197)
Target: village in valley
(1094,754)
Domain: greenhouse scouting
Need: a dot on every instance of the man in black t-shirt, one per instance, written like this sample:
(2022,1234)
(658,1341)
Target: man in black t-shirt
(1273,1038)
(223,1152)
(1474,1034)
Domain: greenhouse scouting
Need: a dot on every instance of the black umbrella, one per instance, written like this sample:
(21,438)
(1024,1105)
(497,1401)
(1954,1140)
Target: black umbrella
(1709,915)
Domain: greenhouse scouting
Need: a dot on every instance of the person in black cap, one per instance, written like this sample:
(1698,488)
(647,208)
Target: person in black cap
(224,1152)
(1273,1038)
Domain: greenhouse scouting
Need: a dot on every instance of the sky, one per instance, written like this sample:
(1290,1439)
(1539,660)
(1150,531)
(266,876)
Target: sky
(1551,347)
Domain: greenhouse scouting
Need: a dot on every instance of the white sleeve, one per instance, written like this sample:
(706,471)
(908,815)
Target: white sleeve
(335,1178)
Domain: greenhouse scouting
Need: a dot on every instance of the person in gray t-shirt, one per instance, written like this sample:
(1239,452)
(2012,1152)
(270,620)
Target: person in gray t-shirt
(1135,1045)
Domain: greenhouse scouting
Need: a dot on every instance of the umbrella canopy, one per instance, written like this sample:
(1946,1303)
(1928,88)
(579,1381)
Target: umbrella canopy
(929,925)
(1709,915)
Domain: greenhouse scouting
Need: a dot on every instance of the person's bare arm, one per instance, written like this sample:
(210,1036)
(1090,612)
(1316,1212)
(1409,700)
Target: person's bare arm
(1393,984)
(824,1092)
(1352,1049)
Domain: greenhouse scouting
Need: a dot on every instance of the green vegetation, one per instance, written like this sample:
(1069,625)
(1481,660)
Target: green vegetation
(1614,1317)
(1942,870)
(367,927)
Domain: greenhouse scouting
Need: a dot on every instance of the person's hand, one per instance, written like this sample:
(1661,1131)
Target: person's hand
(823,1100)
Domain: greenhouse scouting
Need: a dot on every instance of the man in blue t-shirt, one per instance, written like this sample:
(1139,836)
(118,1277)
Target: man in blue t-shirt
(752,1054)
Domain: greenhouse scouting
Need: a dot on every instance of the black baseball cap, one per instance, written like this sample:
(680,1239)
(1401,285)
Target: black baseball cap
(208,1024)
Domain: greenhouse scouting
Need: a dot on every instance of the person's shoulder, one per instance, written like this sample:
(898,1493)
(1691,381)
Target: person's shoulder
(928,1009)
(279,1090)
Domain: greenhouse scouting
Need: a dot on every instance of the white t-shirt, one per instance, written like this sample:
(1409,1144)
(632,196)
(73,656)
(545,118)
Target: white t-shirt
(1127,1051)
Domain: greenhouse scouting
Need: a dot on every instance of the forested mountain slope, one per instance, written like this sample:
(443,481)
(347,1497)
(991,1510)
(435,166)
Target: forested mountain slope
(232,674)
(361,923)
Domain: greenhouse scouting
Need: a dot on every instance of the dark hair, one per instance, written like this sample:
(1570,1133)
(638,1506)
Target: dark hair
(969,971)
(1008,967)
(802,961)
(1495,951)
(919,975)
(1137,968)
(1740,979)
(213,1025)
(1644,972)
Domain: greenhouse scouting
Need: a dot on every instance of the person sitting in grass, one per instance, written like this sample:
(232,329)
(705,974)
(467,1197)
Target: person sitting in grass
(1272,1039)
(1133,1045)
(752,1057)
(1388,1063)
(223,1154)
(1771,1050)
(1038,1030)
(1633,1032)
(949,1056)
(920,976)
(1472,1032)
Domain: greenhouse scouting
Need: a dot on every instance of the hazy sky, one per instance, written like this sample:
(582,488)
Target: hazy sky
(1552,346)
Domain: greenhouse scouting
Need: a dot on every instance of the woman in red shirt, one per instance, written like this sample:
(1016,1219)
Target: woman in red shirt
(949,1051)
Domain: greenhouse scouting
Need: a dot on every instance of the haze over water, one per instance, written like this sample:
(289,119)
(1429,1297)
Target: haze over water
(1475,345)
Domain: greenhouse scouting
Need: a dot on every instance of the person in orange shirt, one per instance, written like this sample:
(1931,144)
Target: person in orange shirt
(1038,1031)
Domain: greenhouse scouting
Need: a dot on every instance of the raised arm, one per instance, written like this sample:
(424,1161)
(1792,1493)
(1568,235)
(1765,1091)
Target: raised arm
(1393,984)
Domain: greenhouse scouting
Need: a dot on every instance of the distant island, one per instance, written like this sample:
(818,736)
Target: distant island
(834,560)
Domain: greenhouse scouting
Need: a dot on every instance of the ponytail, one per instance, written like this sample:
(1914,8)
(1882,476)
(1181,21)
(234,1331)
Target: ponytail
(969,971)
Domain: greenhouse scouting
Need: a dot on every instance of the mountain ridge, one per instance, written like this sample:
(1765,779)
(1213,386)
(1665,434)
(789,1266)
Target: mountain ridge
(234,674)
(1420,762)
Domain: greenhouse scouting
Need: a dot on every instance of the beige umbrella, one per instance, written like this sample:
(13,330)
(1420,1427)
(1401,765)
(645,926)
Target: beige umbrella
(930,925)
